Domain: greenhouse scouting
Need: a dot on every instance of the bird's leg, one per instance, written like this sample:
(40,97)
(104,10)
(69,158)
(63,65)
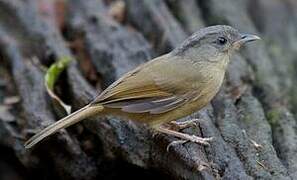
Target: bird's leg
(185,137)
(184,124)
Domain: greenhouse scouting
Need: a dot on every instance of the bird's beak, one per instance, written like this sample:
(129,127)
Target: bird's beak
(248,38)
(244,39)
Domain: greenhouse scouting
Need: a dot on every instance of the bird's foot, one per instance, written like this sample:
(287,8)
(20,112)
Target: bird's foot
(185,137)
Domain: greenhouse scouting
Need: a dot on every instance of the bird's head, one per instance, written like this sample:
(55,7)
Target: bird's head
(213,43)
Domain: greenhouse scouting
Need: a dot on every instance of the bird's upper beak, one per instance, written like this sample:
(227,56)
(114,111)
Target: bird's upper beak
(244,38)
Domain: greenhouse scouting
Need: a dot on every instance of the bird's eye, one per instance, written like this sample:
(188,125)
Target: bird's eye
(221,40)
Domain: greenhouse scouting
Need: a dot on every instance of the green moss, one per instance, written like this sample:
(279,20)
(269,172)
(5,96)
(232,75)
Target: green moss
(273,117)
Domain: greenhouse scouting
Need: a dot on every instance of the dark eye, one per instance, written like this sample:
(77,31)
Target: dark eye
(221,40)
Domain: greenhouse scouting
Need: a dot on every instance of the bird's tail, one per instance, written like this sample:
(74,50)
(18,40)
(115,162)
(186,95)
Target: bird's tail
(65,122)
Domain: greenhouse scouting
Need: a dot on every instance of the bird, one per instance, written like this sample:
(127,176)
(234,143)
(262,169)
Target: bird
(167,87)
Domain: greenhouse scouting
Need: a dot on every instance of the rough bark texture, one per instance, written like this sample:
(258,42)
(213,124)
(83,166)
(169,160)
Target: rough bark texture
(252,119)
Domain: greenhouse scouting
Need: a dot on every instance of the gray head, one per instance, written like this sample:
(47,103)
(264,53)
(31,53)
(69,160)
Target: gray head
(214,41)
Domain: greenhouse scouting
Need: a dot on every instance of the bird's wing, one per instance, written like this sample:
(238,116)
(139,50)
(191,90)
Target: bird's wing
(155,87)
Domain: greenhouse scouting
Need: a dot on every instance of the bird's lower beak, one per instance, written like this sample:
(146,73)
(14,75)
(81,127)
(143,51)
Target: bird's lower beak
(244,39)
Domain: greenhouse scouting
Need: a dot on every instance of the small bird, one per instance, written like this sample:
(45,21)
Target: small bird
(166,88)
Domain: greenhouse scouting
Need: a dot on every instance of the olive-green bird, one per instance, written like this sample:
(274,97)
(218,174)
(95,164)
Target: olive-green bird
(166,88)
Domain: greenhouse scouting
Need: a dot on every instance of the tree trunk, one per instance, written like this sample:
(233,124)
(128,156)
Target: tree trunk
(252,119)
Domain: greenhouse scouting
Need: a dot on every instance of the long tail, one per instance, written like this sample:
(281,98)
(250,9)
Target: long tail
(65,122)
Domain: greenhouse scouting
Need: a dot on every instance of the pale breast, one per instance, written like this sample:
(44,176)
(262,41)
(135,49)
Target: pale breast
(207,92)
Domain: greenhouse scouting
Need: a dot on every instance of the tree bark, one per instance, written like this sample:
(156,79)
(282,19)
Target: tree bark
(252,119)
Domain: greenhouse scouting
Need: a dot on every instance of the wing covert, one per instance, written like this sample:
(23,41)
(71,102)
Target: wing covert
(150,88)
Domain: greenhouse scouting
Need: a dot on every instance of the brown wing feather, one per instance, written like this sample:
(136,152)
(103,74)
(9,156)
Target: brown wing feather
(145,89)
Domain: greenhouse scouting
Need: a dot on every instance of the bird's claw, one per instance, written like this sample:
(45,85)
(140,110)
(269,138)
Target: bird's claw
(194,139)
(174,143)
(200,140)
